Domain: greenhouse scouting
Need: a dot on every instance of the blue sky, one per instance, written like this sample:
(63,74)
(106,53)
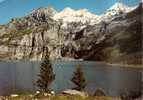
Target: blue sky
(18,8)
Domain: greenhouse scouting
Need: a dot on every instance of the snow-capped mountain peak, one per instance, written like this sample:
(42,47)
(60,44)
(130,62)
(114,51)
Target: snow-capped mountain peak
(68,10)
(82,16)
(120,7)
(69,15)
(116,10)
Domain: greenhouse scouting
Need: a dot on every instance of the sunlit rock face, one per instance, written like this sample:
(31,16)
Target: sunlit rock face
(69,34)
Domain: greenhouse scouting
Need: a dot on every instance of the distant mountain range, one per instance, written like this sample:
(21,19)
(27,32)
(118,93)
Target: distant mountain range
(114,36)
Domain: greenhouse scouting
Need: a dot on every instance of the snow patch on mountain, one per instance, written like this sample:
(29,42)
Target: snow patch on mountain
(121,7)
(69,15)
(116,10)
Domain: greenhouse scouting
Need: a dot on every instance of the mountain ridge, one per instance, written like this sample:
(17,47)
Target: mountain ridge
(28,37)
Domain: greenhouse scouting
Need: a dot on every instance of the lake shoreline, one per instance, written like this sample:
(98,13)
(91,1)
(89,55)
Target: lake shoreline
(124,65)
(108,63)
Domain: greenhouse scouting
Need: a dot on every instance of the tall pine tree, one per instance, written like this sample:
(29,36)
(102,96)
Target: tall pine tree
(79,79)
(46,75)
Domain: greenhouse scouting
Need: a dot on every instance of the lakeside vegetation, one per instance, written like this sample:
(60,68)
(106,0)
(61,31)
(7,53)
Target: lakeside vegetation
(61,97)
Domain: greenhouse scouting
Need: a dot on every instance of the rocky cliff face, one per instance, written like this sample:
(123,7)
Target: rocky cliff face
(78,35)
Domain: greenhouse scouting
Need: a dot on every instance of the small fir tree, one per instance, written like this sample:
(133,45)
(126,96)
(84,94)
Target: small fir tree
(46,75)
(79,79)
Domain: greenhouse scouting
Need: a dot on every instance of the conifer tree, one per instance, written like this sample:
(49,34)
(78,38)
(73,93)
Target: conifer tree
(46,75)
(79,79)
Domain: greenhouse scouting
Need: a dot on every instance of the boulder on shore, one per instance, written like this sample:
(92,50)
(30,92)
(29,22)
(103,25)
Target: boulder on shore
(99,92)
(74,92)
